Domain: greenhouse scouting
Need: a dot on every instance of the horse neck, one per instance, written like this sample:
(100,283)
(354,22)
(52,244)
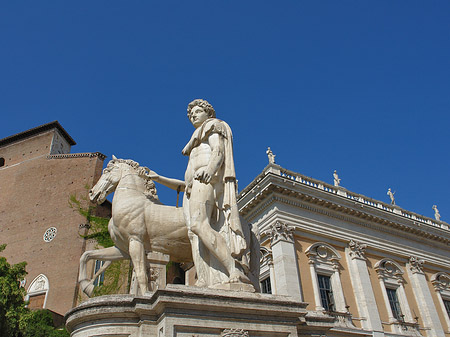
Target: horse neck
(130,180)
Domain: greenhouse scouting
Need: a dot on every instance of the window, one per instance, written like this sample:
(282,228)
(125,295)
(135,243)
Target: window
(394,303)
(324,268)
(37,292)
(266,274)
(100,278)
(266,287)
(441,283)
(326,293)
(390,276)
(447,307)
(2,161)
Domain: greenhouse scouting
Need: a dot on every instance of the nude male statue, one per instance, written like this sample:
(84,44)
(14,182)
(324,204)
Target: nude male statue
(209,204)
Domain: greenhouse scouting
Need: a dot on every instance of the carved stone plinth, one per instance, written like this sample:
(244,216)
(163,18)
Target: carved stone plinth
(184,311)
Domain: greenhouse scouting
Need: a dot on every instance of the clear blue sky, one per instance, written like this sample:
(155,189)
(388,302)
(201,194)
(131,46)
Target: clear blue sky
(354,86)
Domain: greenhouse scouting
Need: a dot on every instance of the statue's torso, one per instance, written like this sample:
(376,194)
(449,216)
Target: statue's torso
(199,158)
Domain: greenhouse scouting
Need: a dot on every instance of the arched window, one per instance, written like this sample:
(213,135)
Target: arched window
(2,161)
(441,283)
(266,277)
(37,292)
(324,268)
(390,275)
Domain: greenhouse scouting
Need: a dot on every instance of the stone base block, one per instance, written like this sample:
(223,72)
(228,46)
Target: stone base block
(183,311)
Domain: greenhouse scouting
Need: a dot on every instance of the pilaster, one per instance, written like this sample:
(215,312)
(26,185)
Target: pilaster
(285,267)
(423,297)
(362,287)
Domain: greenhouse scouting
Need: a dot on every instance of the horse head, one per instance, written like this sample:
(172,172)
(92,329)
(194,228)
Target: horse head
(107,182)
(113,173)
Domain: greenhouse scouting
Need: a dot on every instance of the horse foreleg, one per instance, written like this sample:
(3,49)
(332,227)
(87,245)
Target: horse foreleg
(106,254)
(137,254)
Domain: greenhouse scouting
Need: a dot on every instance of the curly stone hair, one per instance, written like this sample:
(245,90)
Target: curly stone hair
(203,104)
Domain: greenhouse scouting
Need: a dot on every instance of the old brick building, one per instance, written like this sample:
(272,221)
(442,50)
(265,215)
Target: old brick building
(37,176)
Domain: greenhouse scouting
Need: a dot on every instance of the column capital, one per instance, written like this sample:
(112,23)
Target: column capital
(357,250)
(416,265)
(280,231)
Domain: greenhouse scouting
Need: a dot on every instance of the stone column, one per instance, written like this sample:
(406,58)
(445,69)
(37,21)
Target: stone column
(423,297)
(285,267)
(362,287)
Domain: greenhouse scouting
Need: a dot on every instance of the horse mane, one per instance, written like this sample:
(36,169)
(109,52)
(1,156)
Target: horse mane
(143,172)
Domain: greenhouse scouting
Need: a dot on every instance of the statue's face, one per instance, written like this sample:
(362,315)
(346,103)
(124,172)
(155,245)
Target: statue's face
(198,116)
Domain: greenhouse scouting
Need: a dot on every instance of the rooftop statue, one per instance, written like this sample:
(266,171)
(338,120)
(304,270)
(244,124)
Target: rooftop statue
(220,243)
(337,181)
(391,195)
(271,156)
(437,215)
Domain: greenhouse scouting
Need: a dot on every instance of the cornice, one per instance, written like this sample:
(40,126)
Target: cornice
(273,187)
(35,131)
(77,155)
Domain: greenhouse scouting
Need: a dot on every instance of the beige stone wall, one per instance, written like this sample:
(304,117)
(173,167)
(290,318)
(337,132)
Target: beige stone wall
(301,244)
(34,195)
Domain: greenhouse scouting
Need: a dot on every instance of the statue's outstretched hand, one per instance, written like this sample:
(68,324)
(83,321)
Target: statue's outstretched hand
(153,175)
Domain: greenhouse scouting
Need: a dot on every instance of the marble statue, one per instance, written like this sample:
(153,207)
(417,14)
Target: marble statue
(270,155)
(391,195)
(140,223)
(337,181)
(220,243)
(437,215)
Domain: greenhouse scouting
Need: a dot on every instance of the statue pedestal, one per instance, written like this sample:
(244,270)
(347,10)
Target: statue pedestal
(184,311)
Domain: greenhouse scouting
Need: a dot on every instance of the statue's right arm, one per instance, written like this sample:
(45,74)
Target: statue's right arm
(172,183)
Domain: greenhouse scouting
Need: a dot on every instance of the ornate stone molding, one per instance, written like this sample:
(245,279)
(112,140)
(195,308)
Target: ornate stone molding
(441,281)
(322,252)
(77,155)
(234,333)
(357,250)
(416,265)
(389,270)
(280,232)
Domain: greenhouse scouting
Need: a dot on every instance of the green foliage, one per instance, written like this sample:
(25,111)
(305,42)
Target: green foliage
(115,277)
(39,323)
(12,305)
(116,274)
(15,319)
(98,229)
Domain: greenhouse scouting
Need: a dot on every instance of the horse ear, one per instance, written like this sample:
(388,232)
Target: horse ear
(114,157)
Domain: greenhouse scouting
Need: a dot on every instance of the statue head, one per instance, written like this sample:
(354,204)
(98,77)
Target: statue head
(202,104)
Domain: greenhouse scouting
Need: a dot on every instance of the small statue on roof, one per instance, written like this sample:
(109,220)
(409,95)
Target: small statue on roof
(437,215)
(337,181)
(391,195)
(271,156)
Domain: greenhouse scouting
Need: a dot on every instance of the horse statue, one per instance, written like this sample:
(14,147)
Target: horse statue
(139,223)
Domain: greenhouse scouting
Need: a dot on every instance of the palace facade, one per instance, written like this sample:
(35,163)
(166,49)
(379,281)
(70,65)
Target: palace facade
(378,269)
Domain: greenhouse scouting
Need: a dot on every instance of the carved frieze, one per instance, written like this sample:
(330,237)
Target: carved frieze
(234,333)
(357,250)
